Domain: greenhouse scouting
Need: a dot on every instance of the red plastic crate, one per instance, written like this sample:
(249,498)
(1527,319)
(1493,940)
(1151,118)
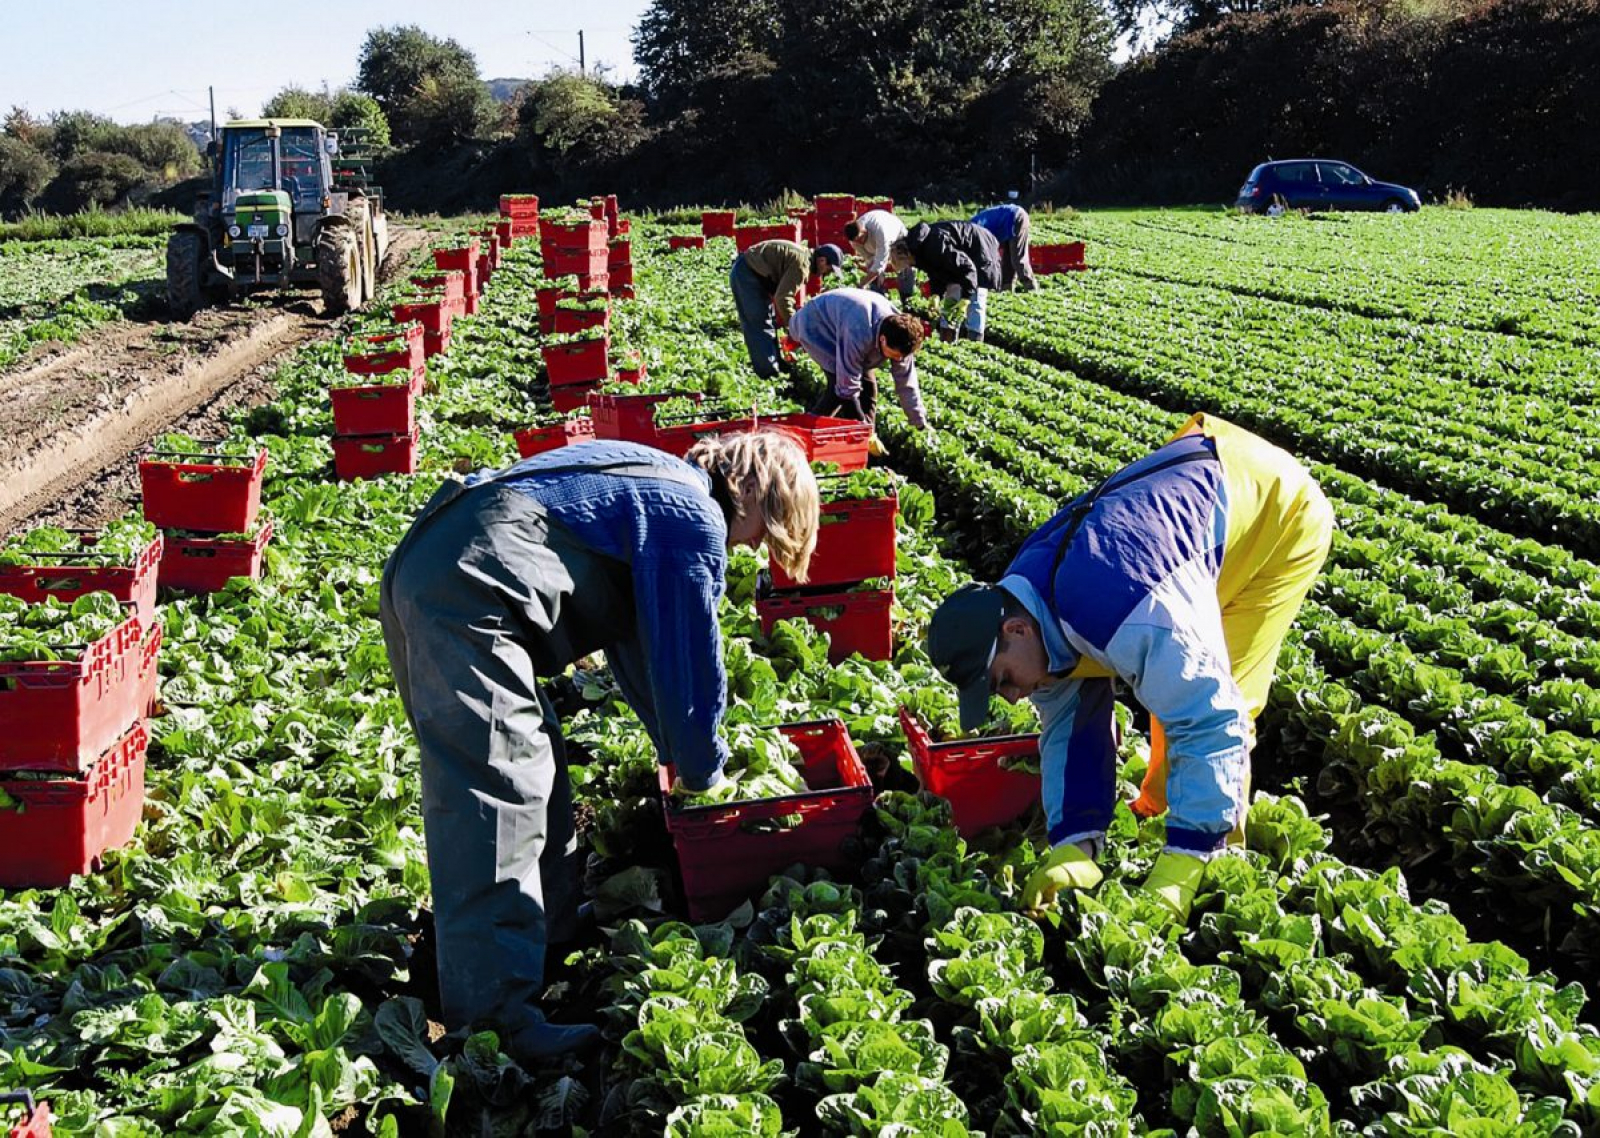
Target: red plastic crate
(867,205)
(686,241)
(462,258)
(207,497)
(854,622)
(577,235)
(37,1124)
(207,564)
(88,573)
(597,208)
(66,825)
(630,417)
(631,368)
(1057,258)
(584,361)
(435,345)
(591,263)
(433,315)
(376,409)
(621,278)
(519,205)
(727,852)
(502,233)
(149,671)
(842,442)
(371,456)
(718,222)
(385,352)
(745,236)
(855,541)
(450,285)
(57,715)
(537,440)
(572,397)
(982,793)
(580,319)
(619,251)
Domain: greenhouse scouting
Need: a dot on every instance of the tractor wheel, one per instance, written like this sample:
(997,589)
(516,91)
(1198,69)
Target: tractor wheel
(185,273)
(338,270)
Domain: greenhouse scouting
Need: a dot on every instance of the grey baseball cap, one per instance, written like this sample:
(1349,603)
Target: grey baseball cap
(962,638)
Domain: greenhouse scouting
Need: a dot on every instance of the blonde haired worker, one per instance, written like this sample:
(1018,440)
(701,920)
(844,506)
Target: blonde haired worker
(1180,575)
(516,574)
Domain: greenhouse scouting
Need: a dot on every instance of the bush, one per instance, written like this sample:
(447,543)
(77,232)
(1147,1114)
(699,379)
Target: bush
(24,173)
(97,178)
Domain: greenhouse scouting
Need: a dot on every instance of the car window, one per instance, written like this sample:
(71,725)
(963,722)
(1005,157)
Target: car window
(1297,172)
(1337,174)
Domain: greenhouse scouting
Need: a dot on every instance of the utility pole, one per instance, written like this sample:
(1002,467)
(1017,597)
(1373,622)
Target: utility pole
(580,52)
(211,93)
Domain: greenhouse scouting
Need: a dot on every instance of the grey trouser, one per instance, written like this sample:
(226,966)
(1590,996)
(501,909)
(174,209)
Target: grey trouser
(468,599)
(1015,268)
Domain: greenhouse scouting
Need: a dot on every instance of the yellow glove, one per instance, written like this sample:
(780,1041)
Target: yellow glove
(875,446)
(1173,880)
(1067,867)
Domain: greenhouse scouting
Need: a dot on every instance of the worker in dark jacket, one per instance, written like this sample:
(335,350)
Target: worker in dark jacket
(1012,227)
(765,279)
(962,261)
(517,574)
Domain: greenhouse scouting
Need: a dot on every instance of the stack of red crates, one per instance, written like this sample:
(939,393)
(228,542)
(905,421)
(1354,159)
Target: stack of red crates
(78,722)
(619,266)
(574,248)
(463,259)
(855,544)
(519,217)
(834,212)
(197,499)
(375,425)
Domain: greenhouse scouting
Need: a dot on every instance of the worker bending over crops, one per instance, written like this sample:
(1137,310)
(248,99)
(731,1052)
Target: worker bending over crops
(516,574)
(1011,226)
(962,261)
(765,280)
(872,235)
(1179,575)
(850,333)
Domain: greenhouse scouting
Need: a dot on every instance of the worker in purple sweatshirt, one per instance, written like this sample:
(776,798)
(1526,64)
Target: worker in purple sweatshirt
(517,574)
(850,333)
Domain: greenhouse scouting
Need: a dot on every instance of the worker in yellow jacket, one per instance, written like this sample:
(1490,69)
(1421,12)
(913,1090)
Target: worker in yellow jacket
(1180,575)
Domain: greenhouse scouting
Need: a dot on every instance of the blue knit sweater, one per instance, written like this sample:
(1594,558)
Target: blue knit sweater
(667,653)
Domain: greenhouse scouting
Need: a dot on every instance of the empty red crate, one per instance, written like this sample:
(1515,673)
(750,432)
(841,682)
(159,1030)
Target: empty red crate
(718,222)
(855,541)
(537,440)
(89,572)
(686,241)
(519,205)
(57,715)
(1057,258)
(207,564)
(727,852)
(969,773)
(371,456)
(583,361)
(854,622)
(580,319)
(590,263)
(747,235)
(66,825)
(219,496)
(573,396)
(376,409)
(385,352)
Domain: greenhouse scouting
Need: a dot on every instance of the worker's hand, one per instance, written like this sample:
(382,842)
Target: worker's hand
(875,446)
(947,333)
(1067,867)
(720,790)
(790,344)
(1173,881)
(954,309)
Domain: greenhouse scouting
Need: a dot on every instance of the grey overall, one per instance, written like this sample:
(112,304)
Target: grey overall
(484,593)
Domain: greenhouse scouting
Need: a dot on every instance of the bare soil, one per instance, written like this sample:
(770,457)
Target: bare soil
(74,420)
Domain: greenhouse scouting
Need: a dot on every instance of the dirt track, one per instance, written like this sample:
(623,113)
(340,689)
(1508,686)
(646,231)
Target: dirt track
(74,422)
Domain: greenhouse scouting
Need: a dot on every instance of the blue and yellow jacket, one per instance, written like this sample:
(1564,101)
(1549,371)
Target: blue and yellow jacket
(1131,581)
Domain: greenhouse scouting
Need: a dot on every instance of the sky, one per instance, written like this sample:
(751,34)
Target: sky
(137,59)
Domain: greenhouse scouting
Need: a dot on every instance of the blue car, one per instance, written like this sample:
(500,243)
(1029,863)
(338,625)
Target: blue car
(1320,183)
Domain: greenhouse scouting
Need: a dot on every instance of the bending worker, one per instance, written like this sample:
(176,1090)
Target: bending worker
(962,261)
(516,574)
(872,235)
(850,333)
(1179,575)
(765,279)
(1011,226)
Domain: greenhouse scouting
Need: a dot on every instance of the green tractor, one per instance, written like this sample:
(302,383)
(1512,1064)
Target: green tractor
(285,209)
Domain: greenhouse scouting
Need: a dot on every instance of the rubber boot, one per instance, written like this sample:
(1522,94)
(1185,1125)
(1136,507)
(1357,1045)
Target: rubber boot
(545,1041)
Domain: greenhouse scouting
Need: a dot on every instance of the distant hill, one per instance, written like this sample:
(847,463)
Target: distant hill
(503,89)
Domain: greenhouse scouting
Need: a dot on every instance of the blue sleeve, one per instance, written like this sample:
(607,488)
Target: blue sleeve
(1077,758)
(676,593)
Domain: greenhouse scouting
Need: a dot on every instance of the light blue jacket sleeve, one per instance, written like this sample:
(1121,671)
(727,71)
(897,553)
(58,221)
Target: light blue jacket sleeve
(1077,758)
(1172,650)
